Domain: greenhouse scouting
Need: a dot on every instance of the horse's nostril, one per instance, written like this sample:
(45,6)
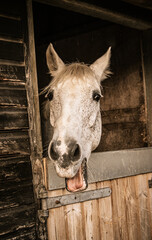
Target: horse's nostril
(53,152)
(76,152)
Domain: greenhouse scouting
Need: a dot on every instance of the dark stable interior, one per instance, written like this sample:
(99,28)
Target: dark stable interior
(78,37)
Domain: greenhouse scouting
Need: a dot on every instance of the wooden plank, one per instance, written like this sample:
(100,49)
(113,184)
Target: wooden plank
(10,28)
(105,214)
(17,85)
(16,219)
(147,76)
(13,118)
(132,208)
(15,197)
(119,136)
(124,89)
(127,115)
(12,51)
(32,89)
(143,207)
(118,216)
(34,118)
(13,96)
(57,219)
(14,143)
(109,165)
(12,73)
(90,216)
(74,222)
(149,177)
(102,11)
(23,234)
(14,174)
(119,211)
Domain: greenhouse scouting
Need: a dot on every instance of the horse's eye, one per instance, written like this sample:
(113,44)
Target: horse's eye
(50,96)
(96,96)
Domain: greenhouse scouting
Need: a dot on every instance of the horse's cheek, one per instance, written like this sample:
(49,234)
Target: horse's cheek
(92,119)
(96,133)
(52,119)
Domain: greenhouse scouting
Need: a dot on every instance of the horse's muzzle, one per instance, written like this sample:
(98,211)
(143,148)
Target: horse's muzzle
(69,153)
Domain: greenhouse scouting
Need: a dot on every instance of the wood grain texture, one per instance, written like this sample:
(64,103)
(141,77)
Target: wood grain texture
(15,173)
(147,76)
(12,73)
(21,234)
(57,221)
(34,119)
(17,207)
(16,218)
(125,215)
(142,193)
(122,136)
(13,96)
(13,118)
(105,214)
(16,142)
(18,195)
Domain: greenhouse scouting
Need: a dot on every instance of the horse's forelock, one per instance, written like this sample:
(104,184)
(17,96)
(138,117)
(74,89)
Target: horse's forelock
(77,71)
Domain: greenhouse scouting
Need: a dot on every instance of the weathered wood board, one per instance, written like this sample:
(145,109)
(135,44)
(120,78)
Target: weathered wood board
(17,205)
(126,214)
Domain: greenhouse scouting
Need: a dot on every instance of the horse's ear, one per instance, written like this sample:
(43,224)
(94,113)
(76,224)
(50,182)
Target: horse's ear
(54,62)
(101,66)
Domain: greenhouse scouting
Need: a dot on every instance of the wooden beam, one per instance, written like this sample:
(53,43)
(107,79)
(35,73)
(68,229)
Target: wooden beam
(34,121)
(103,13)
(140,3)
(146,52)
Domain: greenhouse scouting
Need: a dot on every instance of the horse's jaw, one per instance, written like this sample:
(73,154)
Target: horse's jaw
(79,181)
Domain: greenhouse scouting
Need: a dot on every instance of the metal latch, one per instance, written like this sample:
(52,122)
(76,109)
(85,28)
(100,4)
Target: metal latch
(54,202)
(64,200)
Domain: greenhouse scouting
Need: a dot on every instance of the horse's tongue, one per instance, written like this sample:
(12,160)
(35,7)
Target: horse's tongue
(76,183)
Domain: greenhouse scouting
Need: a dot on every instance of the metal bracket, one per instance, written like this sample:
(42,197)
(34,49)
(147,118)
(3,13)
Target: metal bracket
(54,202)
(150,183)
(63,200)
(43,213)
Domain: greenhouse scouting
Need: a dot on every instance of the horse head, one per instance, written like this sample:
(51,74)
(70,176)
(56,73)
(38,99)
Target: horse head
(74,109)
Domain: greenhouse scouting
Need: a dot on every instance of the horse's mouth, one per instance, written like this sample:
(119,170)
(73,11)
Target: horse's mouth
(79,181)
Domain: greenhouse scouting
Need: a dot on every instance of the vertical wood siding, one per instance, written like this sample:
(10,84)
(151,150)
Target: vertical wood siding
(125,215)
(17,208)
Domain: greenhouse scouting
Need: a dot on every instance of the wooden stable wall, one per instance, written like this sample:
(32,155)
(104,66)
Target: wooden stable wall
(17,207)
(125,215)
